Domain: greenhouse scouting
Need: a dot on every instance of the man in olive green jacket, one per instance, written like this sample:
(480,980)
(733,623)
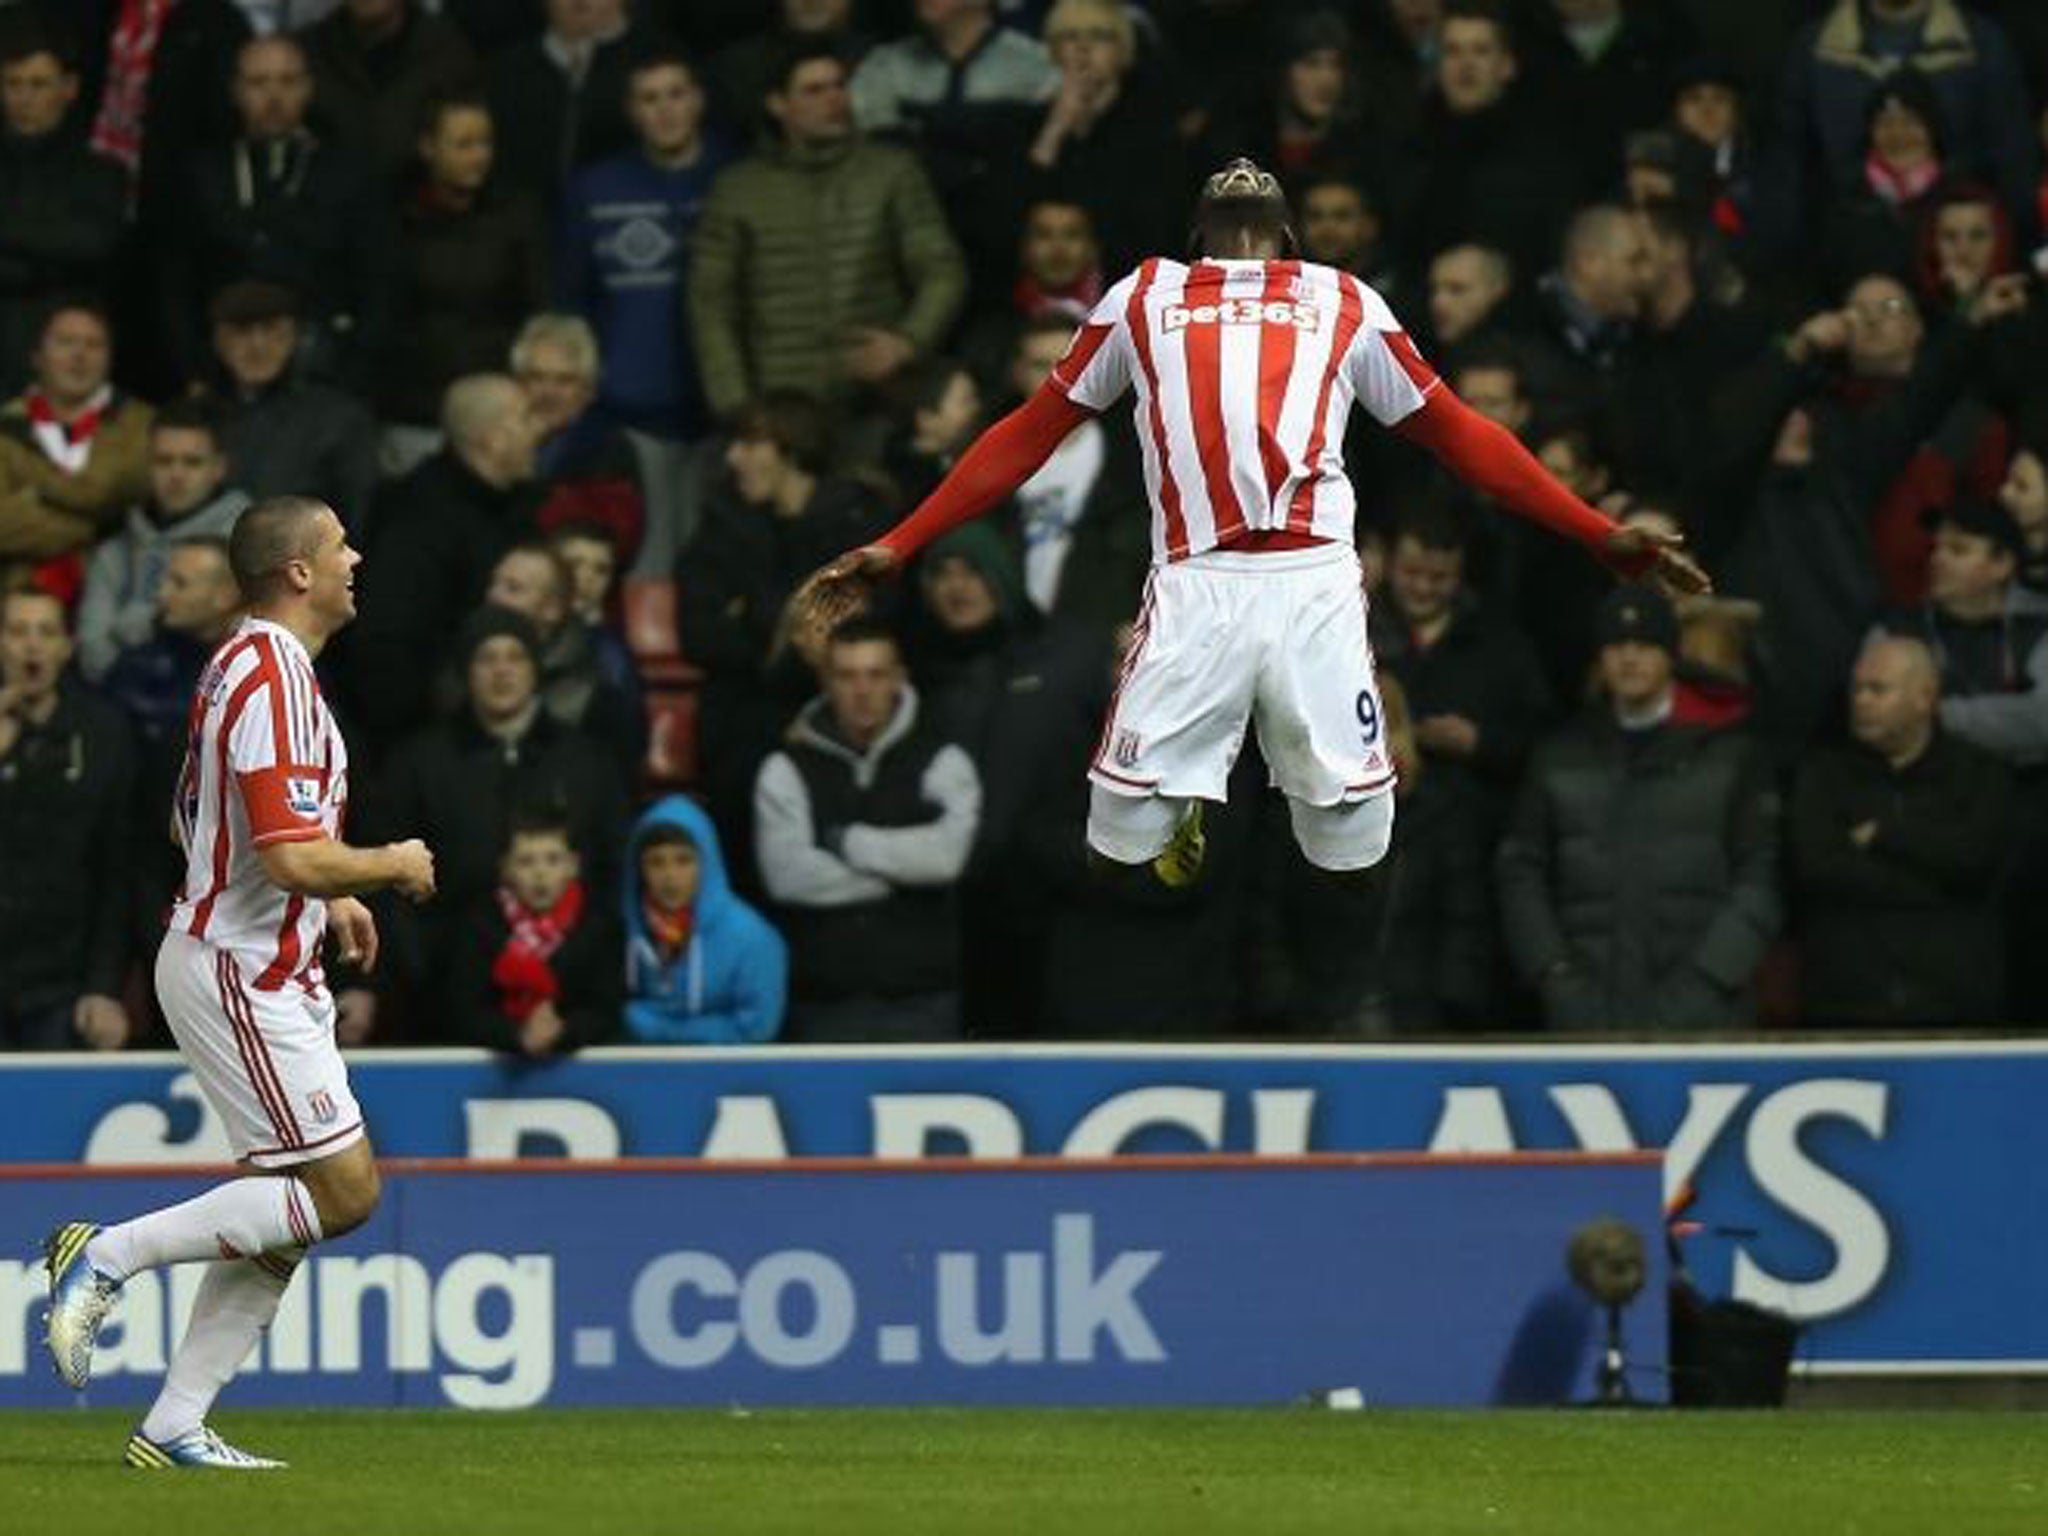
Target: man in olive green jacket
(74,451)
(823,262)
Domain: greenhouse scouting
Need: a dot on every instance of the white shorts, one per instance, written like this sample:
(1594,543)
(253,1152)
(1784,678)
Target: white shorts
(267,1061)
(1277,639)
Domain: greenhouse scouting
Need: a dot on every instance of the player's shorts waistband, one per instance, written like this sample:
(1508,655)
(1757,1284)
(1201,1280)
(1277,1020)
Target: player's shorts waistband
(1270,560)
(310,978)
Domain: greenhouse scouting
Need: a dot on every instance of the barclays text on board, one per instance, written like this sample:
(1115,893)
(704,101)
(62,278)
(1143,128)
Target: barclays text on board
(1861,1189)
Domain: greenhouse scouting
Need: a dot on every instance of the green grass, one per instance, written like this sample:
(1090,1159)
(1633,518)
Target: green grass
(904,1473)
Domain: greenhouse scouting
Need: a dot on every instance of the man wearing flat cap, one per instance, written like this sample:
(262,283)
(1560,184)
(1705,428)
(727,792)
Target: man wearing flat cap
(1638,877)
(1988,633)
(286,434)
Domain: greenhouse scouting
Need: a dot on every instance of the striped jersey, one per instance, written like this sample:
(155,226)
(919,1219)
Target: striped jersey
(1244,373)
(264,763)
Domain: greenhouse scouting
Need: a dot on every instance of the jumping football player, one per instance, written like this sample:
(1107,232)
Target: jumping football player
(1245,362)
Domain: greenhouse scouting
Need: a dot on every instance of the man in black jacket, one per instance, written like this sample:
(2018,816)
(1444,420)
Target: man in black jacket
(65,204)
(1484,165)
(376,64)
(863,824)
(66,786)
(1472,680)
(286,434)
(560,100)
(1988,635)
(1830,447)
(1898,841)
(283,204)
(462,780)
(783,513)
(438,533)
(1110,963)
(1583,353)
(1691,339)
(1638,877)
(991,672)
(1106,140)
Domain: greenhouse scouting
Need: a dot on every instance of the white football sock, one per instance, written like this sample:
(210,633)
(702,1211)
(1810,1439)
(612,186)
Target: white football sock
(236,1302)
(246,1216)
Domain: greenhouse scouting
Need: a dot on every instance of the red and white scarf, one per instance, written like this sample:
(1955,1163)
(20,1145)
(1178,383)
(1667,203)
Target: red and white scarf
(67,444)
(1899,187)
(1031,299)
(131,58)
(521,972)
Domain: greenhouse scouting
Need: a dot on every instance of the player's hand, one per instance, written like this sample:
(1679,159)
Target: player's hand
(101,1021)
(355,932)
(838,591)
(1655,558)
(414,877)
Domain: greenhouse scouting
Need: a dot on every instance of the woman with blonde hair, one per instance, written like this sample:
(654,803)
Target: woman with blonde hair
(1105,142)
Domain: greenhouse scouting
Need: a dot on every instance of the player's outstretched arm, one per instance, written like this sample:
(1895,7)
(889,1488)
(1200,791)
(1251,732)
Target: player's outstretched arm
(1000,460)
(1492,459)
(323,868)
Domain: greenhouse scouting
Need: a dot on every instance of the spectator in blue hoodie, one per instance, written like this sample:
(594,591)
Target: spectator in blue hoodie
(625,249)
(702,967)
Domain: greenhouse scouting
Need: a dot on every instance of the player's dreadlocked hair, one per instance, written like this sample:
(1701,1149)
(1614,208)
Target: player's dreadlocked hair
(1241,199)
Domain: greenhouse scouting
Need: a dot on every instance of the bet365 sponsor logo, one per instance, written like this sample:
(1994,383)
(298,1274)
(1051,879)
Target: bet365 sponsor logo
(1298,313)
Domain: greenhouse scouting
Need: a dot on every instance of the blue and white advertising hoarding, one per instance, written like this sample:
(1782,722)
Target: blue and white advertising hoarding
(1892,1198)
(1409,1281)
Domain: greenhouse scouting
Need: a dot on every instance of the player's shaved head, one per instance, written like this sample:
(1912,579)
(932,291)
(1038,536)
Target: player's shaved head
(269,536)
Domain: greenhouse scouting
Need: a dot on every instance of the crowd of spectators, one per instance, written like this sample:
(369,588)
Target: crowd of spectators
(602,322)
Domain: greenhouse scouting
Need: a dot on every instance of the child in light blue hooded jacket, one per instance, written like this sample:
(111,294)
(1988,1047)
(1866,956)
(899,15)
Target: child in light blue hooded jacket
(702,967)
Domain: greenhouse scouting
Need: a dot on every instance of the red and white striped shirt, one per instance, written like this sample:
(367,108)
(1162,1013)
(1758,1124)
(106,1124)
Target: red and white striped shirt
(264,763)
(1245,373)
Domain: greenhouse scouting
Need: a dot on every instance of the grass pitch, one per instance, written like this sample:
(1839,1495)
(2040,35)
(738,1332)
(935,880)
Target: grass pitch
(906,1473)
